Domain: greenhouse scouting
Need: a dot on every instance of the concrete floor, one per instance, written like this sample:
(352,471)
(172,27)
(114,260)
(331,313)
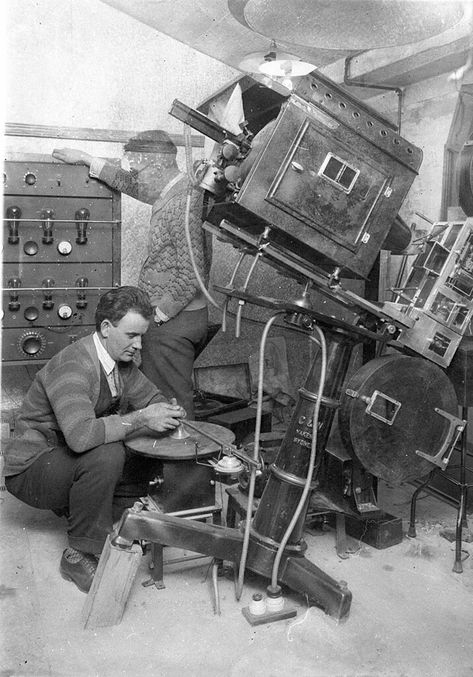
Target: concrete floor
(411,616)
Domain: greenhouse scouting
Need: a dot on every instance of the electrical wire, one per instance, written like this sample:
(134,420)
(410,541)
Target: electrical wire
(215,587)
(251,486)
(207,295)
(313,451)
(190,190)
(188,153)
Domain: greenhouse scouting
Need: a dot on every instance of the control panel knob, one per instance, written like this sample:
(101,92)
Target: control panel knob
(30,248)
(32,343)
(30,179)
(31,313)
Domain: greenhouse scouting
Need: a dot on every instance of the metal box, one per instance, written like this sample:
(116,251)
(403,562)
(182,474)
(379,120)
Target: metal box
(328,182)
(186,486)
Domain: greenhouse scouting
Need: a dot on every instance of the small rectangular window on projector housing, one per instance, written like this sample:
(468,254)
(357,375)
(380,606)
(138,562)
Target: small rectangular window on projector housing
(339,172)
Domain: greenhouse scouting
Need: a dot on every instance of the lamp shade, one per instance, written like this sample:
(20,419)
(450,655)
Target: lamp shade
(285,66)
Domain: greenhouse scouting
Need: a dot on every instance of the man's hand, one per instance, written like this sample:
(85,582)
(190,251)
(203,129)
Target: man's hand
(163,416)
(72,156)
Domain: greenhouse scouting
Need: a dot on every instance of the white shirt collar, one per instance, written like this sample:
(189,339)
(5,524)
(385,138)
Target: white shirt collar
(105,360)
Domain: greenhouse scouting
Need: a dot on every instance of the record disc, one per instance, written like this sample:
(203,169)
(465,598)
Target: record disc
(162,445)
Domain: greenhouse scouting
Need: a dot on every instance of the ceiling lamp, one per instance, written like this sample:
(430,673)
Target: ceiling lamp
(347,25)
(283,65)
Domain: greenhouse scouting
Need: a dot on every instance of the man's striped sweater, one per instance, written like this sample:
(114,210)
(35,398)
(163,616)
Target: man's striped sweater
(59,406)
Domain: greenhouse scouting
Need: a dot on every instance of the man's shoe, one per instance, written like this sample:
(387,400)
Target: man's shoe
(78,567)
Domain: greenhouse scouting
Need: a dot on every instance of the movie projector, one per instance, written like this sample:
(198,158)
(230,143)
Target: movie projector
(312,187)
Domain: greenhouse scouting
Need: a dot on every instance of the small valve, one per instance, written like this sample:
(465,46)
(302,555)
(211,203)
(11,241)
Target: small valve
(47,224)
(81,302)
(48,303)
(13,215)
(82,216)
(14,304)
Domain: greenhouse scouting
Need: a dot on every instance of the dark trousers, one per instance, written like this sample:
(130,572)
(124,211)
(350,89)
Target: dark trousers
(168,353)
(91,489)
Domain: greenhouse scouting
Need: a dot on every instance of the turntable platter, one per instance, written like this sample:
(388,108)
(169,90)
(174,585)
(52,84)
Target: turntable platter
(156,445)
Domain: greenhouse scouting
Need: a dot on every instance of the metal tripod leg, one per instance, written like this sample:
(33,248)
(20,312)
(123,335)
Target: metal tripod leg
(157,567)
(412,522)
(461,514)
(226,544)
(332,596)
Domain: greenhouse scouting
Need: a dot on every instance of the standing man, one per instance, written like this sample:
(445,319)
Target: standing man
(179,327)
(68,453)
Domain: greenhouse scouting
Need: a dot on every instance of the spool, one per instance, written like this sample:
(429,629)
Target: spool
(229,465)
(275,600)
(257,605)
(179,433)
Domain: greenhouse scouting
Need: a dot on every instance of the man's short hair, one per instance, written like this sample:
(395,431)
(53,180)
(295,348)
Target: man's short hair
(115,303)
(151,141)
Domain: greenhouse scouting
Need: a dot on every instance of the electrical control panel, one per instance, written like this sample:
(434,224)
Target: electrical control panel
(61,251)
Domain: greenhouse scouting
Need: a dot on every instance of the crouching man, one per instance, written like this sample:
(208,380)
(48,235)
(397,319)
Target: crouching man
(68,453)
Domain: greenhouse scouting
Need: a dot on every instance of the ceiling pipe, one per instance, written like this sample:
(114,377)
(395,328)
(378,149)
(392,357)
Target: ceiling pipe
(355,83)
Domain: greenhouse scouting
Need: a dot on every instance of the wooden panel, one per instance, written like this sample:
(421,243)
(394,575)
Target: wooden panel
(86,134)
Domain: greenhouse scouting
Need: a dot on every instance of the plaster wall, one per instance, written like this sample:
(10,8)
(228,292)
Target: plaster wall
(83,64)
(427,112)
(86,64)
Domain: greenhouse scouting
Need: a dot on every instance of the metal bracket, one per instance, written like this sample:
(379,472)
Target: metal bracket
(390,408)
(456,427)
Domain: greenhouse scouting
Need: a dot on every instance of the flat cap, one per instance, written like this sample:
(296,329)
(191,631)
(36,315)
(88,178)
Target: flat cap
(151,141)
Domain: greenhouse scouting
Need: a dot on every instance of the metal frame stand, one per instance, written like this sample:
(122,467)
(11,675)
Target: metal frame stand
(460,503)
(156,564)
(278,502)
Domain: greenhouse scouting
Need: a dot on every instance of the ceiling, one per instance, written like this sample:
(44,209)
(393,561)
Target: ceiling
(395,42)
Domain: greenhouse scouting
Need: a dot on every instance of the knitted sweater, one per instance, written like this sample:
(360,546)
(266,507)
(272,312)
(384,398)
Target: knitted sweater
(59,406)
(167,274)
(125,181)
